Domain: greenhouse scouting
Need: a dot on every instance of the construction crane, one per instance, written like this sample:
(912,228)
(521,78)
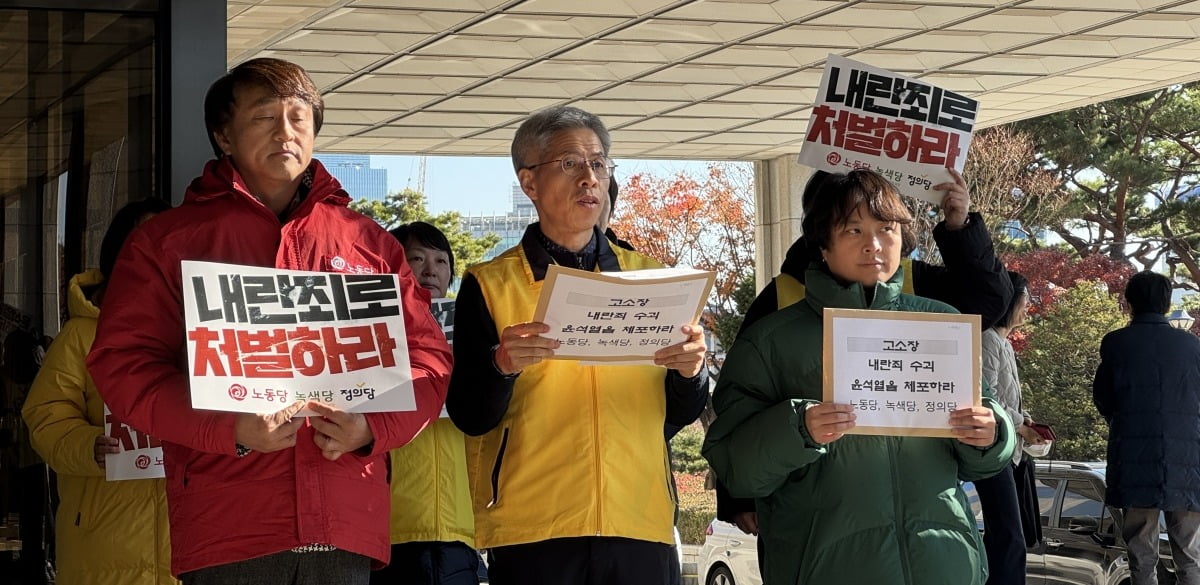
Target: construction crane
(421,174)
(420,184)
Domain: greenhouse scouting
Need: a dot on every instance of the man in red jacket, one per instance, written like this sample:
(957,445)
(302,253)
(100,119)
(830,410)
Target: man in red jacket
(267,499)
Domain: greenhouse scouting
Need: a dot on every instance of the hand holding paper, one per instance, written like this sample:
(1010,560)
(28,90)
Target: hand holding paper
(104,446)
(522,345)
(338,431)
(828,421)
(269,432)
(957,201)
(974,426)
(686,357)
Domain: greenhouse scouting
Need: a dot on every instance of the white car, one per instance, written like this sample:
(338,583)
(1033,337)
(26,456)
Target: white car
(729,556)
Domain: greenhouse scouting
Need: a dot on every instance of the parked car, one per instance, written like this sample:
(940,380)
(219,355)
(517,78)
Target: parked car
(1081,536)
(729,556)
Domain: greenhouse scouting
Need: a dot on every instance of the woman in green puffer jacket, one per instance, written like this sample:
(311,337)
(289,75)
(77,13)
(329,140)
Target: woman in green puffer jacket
(851,509)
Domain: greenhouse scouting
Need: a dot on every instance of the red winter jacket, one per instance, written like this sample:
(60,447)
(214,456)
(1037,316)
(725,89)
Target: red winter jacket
(224,508)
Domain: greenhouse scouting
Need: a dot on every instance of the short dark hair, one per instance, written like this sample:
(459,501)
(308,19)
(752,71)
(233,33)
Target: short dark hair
(1148,292)
(282,78)
(613,190)
(427,235)
(908,240)
(121,226)
(812,187)
(835,198)
(535,132)
(1020,286)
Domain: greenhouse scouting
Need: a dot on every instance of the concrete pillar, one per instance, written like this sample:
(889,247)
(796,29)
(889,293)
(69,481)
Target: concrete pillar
(194,52)
(779,182)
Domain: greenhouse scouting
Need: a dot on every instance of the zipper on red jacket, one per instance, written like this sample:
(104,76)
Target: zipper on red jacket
(596,448)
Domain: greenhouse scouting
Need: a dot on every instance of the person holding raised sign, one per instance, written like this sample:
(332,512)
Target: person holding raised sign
(569,469)
(836,508)
(106,532)
(272,498)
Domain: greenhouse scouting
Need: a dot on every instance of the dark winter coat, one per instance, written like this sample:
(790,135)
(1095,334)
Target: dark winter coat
(1148,388)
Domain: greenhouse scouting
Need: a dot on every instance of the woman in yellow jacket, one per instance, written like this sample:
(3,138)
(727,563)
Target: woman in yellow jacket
(433,525)
(108,533)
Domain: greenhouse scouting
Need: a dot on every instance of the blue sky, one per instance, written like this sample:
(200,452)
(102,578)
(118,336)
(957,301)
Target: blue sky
(483,185)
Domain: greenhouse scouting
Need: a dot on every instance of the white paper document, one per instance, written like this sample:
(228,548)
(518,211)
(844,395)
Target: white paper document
(620,317)
(903,372)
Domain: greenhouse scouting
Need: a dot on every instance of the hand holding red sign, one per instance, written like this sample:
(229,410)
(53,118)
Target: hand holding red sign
(104,446)
(269,432)
(975,426)
(339,432)
(957,201)
(685,357)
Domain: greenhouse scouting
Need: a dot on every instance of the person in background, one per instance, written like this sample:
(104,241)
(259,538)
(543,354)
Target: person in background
(568,464)
(108,533)
(1148,389)
(972,280)
(607,209)
(1003,535)
(270,499)
(28,482)
(836,508)
(432,527)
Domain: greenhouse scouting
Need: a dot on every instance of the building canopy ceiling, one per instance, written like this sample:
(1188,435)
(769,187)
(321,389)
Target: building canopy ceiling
(693,79)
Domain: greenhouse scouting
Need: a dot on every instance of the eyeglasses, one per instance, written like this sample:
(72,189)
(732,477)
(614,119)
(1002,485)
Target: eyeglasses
(574,166)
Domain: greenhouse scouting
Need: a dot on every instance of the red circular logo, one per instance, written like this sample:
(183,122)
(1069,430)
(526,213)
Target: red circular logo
(237,392)
(833,158)
(142,461)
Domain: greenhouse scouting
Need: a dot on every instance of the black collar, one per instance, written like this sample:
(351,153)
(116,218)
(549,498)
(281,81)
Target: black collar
(1150,318)
(302,191)
(540,258)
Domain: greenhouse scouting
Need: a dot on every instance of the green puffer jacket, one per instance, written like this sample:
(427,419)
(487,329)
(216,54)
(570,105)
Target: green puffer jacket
(863,509)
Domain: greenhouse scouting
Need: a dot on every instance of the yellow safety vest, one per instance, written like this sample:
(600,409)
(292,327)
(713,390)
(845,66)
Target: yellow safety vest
(431,494)
(580,451)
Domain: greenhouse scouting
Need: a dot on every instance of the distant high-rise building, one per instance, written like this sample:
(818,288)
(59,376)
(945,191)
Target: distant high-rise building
(521,203)
(356,175)
(510,226)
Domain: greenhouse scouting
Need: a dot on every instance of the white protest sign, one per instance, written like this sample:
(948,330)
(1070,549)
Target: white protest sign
(903,372)
(905,129)
(261,338)
(141,455)
(620,316)
(443,313)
